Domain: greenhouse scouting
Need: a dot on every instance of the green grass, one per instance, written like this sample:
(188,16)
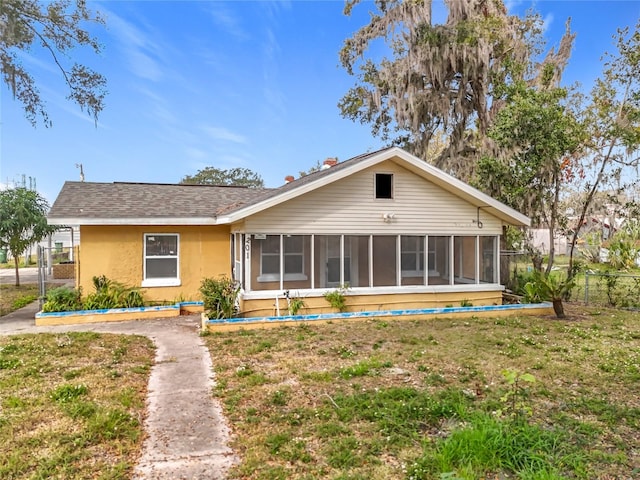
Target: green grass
(12,298)
(519,397)
(63,414)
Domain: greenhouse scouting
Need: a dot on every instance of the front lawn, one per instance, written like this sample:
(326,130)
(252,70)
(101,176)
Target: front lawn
(12,298)
(521,397)
(72,405)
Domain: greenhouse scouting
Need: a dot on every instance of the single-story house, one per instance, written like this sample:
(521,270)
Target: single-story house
(397,231)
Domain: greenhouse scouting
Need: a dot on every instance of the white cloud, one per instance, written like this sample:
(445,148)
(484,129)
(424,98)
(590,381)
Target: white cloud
(226,20)
(142,52)
(195,153)
(547,21)
(221,133)
(512,4)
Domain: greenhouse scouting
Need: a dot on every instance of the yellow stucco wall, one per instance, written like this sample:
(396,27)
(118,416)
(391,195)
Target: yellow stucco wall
(117,252)
(363,303)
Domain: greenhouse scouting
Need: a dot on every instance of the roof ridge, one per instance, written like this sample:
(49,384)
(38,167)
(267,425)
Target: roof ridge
(188,185)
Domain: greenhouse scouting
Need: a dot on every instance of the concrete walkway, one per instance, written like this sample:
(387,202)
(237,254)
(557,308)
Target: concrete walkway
(187,434)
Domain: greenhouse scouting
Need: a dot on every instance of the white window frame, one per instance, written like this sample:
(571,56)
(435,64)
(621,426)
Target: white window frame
(274,277)
(270,277)
(161,282)
(418,241)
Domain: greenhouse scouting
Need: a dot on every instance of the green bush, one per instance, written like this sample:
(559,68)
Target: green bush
(220,297)
(549,287)
(112,294)
(520,280)
(108,294)
(62,299)
(337,298)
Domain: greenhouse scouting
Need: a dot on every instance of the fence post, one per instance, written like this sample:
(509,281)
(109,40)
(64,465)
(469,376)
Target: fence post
(42,276)
(586,288)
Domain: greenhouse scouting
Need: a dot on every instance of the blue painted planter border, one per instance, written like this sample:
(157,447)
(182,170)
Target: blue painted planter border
(384,313)
(157,308)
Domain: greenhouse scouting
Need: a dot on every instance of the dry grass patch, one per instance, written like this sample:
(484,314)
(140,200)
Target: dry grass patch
(520,397)
(72,404)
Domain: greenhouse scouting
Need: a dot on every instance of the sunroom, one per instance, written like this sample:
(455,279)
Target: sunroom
(377,271)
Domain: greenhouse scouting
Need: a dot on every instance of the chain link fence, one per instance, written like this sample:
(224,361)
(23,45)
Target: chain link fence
(56,266)
(612,290)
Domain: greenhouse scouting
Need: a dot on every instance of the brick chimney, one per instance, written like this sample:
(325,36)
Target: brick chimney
(330,162)
(289,178)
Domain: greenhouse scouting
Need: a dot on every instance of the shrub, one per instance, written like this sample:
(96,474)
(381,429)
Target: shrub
(337,298)
(112,294)
(549,287)
(220,297)
(520,279)
(62,299)
(108,294)
(294,304)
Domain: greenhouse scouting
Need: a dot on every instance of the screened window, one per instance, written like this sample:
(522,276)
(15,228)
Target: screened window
(284,262)
(439,260)
(464,259)
(161,260)
(270,256)
(293,259)
(488,268)
(412,260)
(293,255)
(384,261)
(384,185)
(412,256)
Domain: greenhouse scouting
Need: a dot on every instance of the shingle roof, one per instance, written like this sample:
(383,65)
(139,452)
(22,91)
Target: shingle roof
(91,200)
(299,182)
(124,200)
(145,203)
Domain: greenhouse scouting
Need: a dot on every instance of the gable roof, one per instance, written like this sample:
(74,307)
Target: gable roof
(344,169)
(120,203)
(165,204)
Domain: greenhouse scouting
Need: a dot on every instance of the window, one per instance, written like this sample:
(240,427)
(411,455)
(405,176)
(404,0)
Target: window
(412,260)
(439,258)
(270,257)
(384,185)
(161,260)
(290,262)
(292,257)
(412,256)
(488,260)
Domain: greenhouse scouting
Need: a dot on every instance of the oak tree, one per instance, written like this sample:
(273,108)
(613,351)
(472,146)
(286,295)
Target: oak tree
(242,177)
(58,27)
(540,139)
(441,78)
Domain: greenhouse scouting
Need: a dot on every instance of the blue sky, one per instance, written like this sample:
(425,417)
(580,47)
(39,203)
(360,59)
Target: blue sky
(229,84)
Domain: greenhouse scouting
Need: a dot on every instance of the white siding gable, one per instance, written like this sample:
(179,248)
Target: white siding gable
(348,206)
